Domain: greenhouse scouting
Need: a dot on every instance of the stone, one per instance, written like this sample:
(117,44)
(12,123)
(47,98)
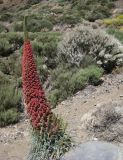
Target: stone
(95,150)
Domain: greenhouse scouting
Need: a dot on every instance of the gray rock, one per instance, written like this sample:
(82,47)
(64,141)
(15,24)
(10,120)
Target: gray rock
(95,151)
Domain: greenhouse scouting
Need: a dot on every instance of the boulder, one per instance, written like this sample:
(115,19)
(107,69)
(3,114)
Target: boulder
(95,150)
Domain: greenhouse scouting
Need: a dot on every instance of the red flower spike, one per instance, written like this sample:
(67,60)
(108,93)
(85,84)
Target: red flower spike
(34,97)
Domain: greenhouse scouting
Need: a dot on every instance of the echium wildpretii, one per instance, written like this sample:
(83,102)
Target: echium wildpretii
(37,107)
(49,140)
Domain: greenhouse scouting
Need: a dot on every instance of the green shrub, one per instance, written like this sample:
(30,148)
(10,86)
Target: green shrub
(5,47)
(42,69)
(69,19)
(116,33)
(92,10)
(89,75)
(18,26)
(113,22)
(54,96)
(6,17)
(11,65)
(4,78)
(9,99)
(67,82)
(120,16)
(10,116)
(2,28)
(34,25)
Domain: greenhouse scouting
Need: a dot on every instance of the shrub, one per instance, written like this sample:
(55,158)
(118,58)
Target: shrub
(3,78)
(45,45)
(2,28)
(10,116)
(18,26)
(9,99)
(67,82)
(113,22)
(10,42)
(116,33)
(120,16)
(6,17)
(5,47)
(11,65)
(69,18)
(82,41)
(92,10)
(36,25)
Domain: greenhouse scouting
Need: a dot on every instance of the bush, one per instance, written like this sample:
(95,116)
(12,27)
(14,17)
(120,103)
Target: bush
(36,25)
(10,42)
(83,41)
(69,18)
(116,33)
(92,10)
(11,65)
(2,28)
(6,17)
(5,47)
(10,116)
(67,82)
(113,22)
(3,78)
(9,99)
(18,26)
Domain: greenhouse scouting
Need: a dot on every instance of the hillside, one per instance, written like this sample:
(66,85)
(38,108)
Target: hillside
(78,50)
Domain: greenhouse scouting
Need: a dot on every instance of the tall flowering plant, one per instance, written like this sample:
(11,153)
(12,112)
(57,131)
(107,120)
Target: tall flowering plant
(49,138)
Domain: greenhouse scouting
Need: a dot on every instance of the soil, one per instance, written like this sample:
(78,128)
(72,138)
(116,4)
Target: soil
(14,140)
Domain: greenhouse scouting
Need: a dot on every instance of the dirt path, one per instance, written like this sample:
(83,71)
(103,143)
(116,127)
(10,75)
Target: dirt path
(14,140)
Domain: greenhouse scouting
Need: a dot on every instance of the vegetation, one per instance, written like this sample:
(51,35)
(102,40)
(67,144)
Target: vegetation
(68,81)
(116,33)
(60,75)
(92,10)
(45,146)
(114,22)
(84,41)
(9,99)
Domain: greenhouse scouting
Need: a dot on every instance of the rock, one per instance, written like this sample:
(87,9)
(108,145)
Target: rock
(95,151)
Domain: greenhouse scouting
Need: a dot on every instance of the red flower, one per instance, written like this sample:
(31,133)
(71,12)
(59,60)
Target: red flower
(37,106)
